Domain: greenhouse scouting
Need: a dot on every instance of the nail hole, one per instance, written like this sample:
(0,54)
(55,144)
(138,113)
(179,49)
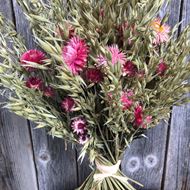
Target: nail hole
(44,156)
(133,164)
(151,161)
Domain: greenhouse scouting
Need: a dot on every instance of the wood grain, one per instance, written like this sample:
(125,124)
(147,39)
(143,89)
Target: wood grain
(178,155)
(56,167)
(144,159)
(17,169)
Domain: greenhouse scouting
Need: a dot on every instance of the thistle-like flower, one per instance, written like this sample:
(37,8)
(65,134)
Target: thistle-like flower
(79,125)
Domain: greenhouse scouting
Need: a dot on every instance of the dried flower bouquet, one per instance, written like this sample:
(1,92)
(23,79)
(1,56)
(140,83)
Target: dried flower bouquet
(105,72)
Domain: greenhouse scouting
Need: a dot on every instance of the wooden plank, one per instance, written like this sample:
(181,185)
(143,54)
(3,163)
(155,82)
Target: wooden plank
(144,161)
(178,162)
(56,167)
(83,168)
(17,169)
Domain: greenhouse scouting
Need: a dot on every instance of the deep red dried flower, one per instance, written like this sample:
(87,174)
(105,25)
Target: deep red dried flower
(34,83)
(129,69)
(94,75)
(49,91)
(161,68)
(68,104)
(138,113)
(34,56)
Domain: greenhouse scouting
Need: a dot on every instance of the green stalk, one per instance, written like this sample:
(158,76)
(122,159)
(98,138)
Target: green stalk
(113,159)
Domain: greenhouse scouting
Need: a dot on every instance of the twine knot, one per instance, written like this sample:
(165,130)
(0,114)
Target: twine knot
(106,171)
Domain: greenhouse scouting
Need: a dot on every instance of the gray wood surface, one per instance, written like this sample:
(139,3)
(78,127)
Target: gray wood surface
(32,160)
(144,159)
(17,170)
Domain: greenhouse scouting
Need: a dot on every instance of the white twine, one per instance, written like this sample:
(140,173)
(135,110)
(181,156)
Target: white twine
(107,171)
(112,171)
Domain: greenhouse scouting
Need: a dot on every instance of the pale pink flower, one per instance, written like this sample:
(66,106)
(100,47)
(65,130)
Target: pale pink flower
(79,125)
(68,104)
(161,31)
(75,55)
(148,119)
(101,60)
(116,56)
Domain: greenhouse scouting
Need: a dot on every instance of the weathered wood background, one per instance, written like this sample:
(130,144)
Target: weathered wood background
(31,160)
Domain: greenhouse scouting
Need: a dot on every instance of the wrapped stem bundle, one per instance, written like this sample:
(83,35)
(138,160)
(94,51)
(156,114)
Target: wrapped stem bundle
(107,71)
(107,176)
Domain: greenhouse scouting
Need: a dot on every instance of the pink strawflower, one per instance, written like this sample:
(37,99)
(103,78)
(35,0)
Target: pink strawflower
(83,139)
(34,83)
(116,56)
(48,91)
(129,69)
(75,55)
(68,104)
(126,100)
(34,56)
(79,126)
(138,113)
(148,119)
(161,31)
(94,75)
(161,68)
(101,60)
